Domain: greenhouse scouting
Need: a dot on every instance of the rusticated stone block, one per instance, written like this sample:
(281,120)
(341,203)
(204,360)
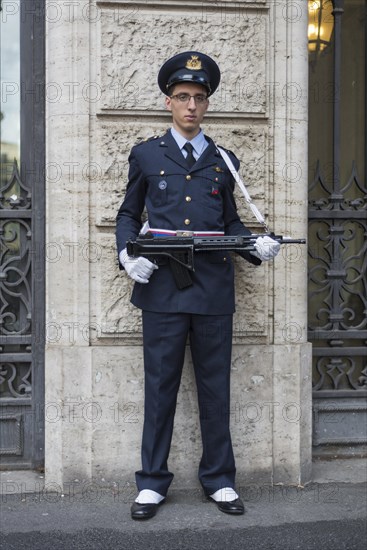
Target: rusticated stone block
(135,46)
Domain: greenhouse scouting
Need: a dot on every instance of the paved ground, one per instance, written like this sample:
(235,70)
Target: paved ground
(328,514)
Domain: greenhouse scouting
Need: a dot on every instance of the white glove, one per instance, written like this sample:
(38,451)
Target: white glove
(266,248)
(139,269)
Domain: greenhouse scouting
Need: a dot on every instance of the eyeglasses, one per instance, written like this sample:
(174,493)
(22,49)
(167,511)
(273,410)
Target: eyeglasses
(185,98)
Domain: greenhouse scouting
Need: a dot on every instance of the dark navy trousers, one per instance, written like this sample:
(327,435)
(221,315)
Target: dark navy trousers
(165,336)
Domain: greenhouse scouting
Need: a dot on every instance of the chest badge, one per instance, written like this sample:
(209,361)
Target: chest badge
(162,185)
(218,169)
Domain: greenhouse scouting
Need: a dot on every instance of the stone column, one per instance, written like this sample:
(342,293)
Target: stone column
(292,354)
(68,353)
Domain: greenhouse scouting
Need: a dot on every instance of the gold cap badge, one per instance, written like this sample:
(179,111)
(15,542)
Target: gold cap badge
(194,63)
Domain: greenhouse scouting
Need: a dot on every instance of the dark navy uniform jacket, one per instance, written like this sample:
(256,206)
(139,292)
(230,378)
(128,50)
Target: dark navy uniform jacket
(179,198)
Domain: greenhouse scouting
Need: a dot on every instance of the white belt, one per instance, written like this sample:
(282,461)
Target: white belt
(184,233)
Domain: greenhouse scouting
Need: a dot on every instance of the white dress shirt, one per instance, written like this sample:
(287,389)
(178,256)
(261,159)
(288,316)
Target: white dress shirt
(199,143)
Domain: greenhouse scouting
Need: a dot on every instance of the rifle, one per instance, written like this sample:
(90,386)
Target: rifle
(180,250)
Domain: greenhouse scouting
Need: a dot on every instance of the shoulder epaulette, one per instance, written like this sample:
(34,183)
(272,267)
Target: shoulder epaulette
(227,150)
(145,140)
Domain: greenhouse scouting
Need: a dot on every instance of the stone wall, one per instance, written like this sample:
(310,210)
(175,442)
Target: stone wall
(102,62)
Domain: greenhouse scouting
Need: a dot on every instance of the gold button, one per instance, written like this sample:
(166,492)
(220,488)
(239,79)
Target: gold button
(162,172)
(187,222)
(188,199)
(188,177)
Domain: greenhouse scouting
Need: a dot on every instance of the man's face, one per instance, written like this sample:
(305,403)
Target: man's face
(187,115)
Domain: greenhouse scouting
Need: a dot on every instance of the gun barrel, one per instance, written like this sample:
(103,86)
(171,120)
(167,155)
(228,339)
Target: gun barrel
(289,240)
(240,241)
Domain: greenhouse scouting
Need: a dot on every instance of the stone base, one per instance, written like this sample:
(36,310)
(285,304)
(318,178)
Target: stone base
(94,415)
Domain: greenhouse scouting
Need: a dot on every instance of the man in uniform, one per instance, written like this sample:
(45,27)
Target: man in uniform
(186,188)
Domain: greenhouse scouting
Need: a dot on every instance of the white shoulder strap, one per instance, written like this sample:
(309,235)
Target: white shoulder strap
(242,186)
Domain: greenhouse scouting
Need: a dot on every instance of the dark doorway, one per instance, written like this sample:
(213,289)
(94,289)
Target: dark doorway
(22,234)
(338,225)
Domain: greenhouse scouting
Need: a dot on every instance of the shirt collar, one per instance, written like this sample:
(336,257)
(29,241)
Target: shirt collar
(199,142)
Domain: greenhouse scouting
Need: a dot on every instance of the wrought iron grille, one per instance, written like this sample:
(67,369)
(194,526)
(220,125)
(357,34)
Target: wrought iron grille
(15,260)
(338,285)
(15,318)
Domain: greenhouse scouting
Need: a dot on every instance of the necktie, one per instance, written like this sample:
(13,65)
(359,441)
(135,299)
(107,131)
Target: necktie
(190,157)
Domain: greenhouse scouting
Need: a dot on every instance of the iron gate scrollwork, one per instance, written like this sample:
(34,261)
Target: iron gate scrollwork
(337,279)
(15,264)
(15,318)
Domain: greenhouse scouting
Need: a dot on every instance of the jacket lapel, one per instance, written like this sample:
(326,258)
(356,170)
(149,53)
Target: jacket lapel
(172,150)
(209,156)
